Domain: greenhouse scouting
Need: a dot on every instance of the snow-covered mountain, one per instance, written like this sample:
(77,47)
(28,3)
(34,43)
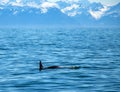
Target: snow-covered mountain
(60,13)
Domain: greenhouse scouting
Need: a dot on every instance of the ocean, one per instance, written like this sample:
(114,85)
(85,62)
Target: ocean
(95,50)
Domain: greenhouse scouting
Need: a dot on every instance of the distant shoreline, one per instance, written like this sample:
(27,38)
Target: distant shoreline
(54,26)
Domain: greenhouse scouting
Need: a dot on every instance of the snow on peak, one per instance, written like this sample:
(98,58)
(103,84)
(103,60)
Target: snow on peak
(98,14)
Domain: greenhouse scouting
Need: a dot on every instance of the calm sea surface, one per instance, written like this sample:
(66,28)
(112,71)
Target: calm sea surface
(95,50)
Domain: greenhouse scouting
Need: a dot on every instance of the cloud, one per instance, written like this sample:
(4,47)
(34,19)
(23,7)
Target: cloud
(98,14)
(46,5)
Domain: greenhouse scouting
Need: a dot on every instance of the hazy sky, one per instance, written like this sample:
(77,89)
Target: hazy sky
(106,2)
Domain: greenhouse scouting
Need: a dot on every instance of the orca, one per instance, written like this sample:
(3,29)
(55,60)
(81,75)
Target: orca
(56,67)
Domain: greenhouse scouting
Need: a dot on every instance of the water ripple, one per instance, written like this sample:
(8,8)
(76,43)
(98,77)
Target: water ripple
(97,53)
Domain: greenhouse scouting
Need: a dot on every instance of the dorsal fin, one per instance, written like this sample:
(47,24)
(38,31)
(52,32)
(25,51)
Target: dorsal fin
(40,66)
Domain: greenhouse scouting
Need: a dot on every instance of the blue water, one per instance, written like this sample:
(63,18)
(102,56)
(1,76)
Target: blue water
(95,50)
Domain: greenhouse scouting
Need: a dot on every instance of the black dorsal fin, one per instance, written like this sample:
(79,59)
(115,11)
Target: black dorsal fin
(40,66)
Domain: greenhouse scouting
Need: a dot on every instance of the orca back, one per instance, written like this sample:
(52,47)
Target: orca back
(53,67)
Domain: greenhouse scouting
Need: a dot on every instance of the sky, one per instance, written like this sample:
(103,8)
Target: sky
(105,2)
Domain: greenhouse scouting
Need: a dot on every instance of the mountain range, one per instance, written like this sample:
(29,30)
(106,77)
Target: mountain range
(82,14)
